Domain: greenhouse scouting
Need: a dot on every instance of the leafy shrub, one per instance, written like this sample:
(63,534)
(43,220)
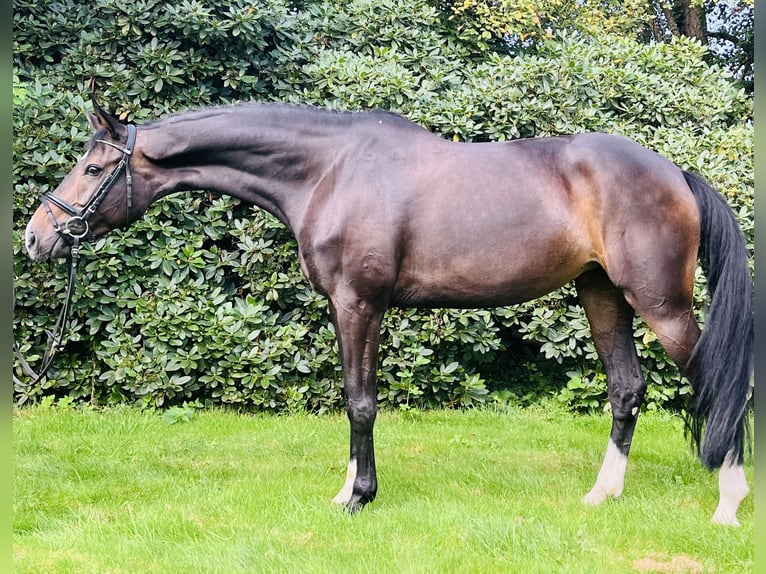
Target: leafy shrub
(202,300)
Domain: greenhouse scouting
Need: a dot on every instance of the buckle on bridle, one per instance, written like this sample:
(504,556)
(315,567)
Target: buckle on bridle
(75,227)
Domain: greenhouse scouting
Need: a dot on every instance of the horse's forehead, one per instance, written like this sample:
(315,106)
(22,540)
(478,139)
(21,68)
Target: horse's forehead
(93,145)
(99,135)
(84,156)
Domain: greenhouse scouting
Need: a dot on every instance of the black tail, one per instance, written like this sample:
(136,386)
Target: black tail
(721,365)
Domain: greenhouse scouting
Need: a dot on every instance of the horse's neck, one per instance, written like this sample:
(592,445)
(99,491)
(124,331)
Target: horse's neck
(271,164)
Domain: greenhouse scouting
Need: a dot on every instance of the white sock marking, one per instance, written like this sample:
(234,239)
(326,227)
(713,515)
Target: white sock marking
(611,477)
(344,496)
(732,488)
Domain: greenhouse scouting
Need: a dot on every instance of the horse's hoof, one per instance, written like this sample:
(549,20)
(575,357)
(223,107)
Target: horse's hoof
(725,519)
(594,497)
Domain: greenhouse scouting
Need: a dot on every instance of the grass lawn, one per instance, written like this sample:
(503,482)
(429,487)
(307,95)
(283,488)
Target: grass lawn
(123,491)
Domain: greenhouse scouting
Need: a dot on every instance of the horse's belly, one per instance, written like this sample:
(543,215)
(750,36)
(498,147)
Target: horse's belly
(484,280)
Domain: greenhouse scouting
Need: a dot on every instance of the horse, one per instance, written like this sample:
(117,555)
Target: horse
(387,214)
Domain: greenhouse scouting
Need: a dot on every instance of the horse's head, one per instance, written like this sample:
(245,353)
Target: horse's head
(98,195)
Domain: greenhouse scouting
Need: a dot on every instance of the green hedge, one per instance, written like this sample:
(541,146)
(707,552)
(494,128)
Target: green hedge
(202,299)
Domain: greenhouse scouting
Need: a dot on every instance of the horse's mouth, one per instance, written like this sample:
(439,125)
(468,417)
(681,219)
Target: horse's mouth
(61,249)
(42,251)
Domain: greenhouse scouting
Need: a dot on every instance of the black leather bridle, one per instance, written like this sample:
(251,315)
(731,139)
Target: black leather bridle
(73,231)
(76,227)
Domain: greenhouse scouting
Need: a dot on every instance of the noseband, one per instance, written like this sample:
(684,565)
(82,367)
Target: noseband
(76,227)
(73,231)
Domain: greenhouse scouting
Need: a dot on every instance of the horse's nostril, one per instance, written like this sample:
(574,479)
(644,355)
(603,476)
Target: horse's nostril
(30,240)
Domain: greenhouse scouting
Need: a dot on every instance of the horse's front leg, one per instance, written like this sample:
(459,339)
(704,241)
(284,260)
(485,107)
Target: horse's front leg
(357,327)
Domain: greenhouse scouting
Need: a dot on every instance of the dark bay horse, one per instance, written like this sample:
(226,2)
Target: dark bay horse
(387,214)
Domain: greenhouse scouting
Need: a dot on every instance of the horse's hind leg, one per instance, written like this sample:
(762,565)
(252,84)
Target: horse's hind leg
(673,321)
(611,322)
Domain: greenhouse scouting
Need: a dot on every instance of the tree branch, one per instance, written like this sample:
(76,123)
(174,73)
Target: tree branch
(668,13)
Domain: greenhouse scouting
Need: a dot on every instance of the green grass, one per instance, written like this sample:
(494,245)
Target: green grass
(123,491)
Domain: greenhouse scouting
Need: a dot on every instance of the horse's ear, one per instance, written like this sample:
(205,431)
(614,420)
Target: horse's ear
(103,120)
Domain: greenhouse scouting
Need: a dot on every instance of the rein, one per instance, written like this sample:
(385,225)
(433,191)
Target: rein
(73,231)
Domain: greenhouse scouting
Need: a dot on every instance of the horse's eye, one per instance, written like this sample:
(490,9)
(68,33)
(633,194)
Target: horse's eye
(93,170)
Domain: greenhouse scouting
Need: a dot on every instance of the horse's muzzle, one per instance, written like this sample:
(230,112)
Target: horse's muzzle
(30,241)
(47,246)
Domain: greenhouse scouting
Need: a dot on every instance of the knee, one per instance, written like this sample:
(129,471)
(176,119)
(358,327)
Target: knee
(362,412)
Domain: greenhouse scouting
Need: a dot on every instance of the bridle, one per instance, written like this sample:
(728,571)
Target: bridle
(76,227)
(73,231)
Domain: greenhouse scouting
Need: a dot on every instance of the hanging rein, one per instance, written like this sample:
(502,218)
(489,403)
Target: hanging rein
(74,231)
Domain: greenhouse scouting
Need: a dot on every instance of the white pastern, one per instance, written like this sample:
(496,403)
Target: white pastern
(732,487)
(344,496)
(611,477)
